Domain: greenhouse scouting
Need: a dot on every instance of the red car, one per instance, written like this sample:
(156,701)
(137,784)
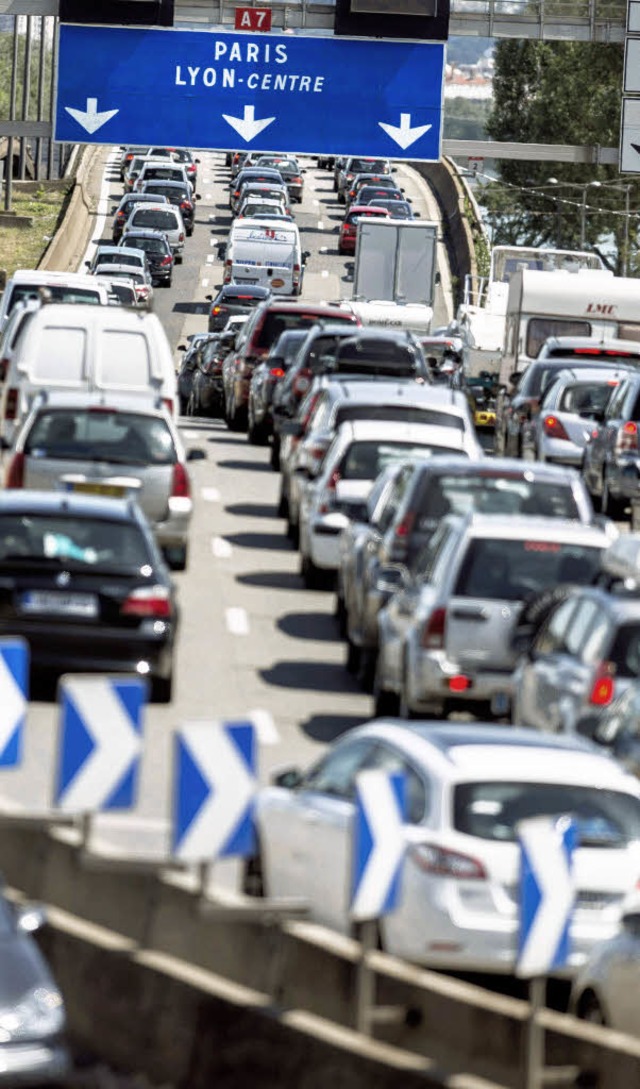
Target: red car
(258,334)
(349,226)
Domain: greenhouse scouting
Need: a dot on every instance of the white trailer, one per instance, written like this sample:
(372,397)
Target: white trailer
(395,273)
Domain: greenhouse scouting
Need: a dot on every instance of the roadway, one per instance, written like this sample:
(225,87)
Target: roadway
(251,637)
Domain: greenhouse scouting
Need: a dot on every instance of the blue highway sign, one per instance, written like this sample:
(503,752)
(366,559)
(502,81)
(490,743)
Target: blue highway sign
(14,693)
(215,89)
(379,844)
(100,743)
(547,894)
(214,785)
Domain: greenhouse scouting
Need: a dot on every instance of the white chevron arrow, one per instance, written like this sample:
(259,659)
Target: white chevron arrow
(90,119)
(12,704)
(232,788)
(403,134)
(548,861)
(380,804)
(117,744)
(246,126)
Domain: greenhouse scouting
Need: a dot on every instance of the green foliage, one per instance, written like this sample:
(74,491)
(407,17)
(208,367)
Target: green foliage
(465,119)
(6,64)
(557,93)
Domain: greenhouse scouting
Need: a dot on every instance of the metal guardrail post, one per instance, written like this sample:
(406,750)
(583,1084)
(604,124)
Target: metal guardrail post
(365,978)
(8,170)
(26,93)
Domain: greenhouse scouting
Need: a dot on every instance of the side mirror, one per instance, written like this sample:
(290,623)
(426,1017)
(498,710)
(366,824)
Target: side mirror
(88,264)
(288,778)
(514,377)
(438,277)
(182,348)
(306,255)
(196,453)
(198,196)
(221,250)
(209,298)
(521,641)
(392,578)
(196,160)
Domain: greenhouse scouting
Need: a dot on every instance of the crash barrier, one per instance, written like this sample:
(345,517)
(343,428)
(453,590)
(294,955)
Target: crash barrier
(68,245)
(450,193)
(298,966)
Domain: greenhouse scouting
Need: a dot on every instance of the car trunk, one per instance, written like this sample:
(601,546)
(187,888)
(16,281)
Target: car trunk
(150,484)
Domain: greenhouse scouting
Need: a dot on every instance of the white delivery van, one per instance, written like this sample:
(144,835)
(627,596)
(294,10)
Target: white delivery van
(67,287)
(265,252)
(584,303)
(86,348)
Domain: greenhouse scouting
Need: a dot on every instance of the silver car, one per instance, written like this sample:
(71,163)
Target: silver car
(93,443)
(445,638)
(605,990)
(577,398)
(160,217)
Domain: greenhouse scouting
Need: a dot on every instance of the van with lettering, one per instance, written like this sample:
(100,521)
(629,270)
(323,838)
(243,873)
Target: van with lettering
(266,252)
(583,303)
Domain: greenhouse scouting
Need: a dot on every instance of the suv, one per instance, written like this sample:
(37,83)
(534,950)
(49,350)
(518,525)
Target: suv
(392,353)
(585,653)
(611,461)
(125,207)
(445,637)
(253,344)
(234,299)
(178,194)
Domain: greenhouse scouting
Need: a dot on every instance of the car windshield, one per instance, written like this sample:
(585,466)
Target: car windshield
(605,818)
(366,460)
(88,542)
(173,193)
(403,413)
(154,217)
(493,494)
(508,570)
(56,293)
(101,435)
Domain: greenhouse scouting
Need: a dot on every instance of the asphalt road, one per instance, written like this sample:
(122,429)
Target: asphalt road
(251,638)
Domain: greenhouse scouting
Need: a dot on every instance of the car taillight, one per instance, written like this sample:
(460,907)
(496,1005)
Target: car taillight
(553,427)
(432,637)
(168,404)
(181,236)
(185,205)
(168,260)
(277,372)
(296,272)
(444,863)
(121,216)
(180,486)
(628,436)
(603,685)
(15,472)
(349,228)
(147,601)
(459,683)
(11,406)
(404,527)
(227,272)
(329,501)
(297,180)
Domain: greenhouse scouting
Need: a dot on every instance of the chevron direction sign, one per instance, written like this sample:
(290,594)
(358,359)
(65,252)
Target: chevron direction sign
(14,694)
(379,844)
(547,894)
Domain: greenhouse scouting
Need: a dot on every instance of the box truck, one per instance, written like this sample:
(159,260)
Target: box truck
(395,273)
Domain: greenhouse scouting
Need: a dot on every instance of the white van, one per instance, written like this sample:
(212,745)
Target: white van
(67,287)
(265,252)
(86,348)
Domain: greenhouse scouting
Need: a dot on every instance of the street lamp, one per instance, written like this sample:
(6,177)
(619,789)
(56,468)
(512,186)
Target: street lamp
(583,206)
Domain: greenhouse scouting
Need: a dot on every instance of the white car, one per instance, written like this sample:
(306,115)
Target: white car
(359,452)
(468,786)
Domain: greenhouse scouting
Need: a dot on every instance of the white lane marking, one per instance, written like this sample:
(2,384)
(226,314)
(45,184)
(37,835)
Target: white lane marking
(221,548)
(212,217)
(266,728)
(208,196)
(210,495)
(237,620)
(325,272)
(209,258)
(213,242)
(204,283)
(320,225)
(324,249)
(191,434)
(317,202)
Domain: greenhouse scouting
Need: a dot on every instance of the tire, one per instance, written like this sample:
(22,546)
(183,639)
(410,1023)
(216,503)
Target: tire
(352,661)
(283,506)
(313,577)
(589,1009)
(234,421)
(386,704)
(257,434)
(367,671)
(177,557)
(340,614)
(293,529)
(612,507)
(162,689)
(275,454)
(167,283)
(184,401)
(192,405)
(253,875)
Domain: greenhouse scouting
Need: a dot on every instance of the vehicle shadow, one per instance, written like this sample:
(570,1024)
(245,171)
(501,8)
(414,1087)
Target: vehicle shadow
(327,728)
(274,542)
(318,626)
(271,580)
(310,676)
(254,466)
(191,308)
(253,510)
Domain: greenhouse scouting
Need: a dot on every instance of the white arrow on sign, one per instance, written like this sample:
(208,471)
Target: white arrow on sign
(403,134)
(90,119)
(247,126)
(232,787)
(116,742)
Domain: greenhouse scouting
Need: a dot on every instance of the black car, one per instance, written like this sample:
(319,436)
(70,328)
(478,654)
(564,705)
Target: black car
(83,582)
(264,380)
(373,194)
(177,194)
(207,391)
(160,257)
(396,207)
(189,367)
(123,211)
(234,299)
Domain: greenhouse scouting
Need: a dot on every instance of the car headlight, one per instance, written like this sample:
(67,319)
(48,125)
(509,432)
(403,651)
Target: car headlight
(39,1013)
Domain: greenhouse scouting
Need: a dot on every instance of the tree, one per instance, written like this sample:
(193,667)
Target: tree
(563,93)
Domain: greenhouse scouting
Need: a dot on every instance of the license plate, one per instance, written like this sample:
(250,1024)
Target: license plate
(53,603)
(94,487)
(500,703)
(246,280)
(277,283)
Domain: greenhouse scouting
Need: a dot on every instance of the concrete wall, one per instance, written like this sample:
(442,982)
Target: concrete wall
(67,247)
(291,972)
(450,194)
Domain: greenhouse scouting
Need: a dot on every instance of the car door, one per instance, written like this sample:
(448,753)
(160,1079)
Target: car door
(533,676)
(572,681)
(603,440)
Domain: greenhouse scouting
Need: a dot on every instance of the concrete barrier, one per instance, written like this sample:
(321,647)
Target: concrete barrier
(68,245)
(458,234)
(292,965)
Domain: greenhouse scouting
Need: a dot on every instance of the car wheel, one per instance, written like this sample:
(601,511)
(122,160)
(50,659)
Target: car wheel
(340,613)
(253,875)
(352,662)
(283,505)
(179,258)
(177,557)
(192,405)
(589,1009)
(257,434)
(184,402)
(293,529)
(162,689)
(233,418)
(385,703)
(312,576)
(367,671)
(168,282)
(611,506)
(275,454)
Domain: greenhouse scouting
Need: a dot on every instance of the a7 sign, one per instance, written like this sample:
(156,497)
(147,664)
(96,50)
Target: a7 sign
(253,19)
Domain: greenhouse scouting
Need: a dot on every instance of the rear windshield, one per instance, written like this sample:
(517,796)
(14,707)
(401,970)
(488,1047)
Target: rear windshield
(55,292)
(168,172)
(587,397)
(115,436)
(540,329)
(155,218)
(366,358)
(125,359)
(353,217)
(117,257)
(152,245)
(366,460)
(497,494)
(605,818)
(368,166)
(80,542)
(505,570)
(625,652)
(403,413)
(173,194)
(276,323)
(537,377)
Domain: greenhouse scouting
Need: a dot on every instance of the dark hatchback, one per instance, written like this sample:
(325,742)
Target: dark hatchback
(234,299)
(155,244)
(178,195)
(83,581)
